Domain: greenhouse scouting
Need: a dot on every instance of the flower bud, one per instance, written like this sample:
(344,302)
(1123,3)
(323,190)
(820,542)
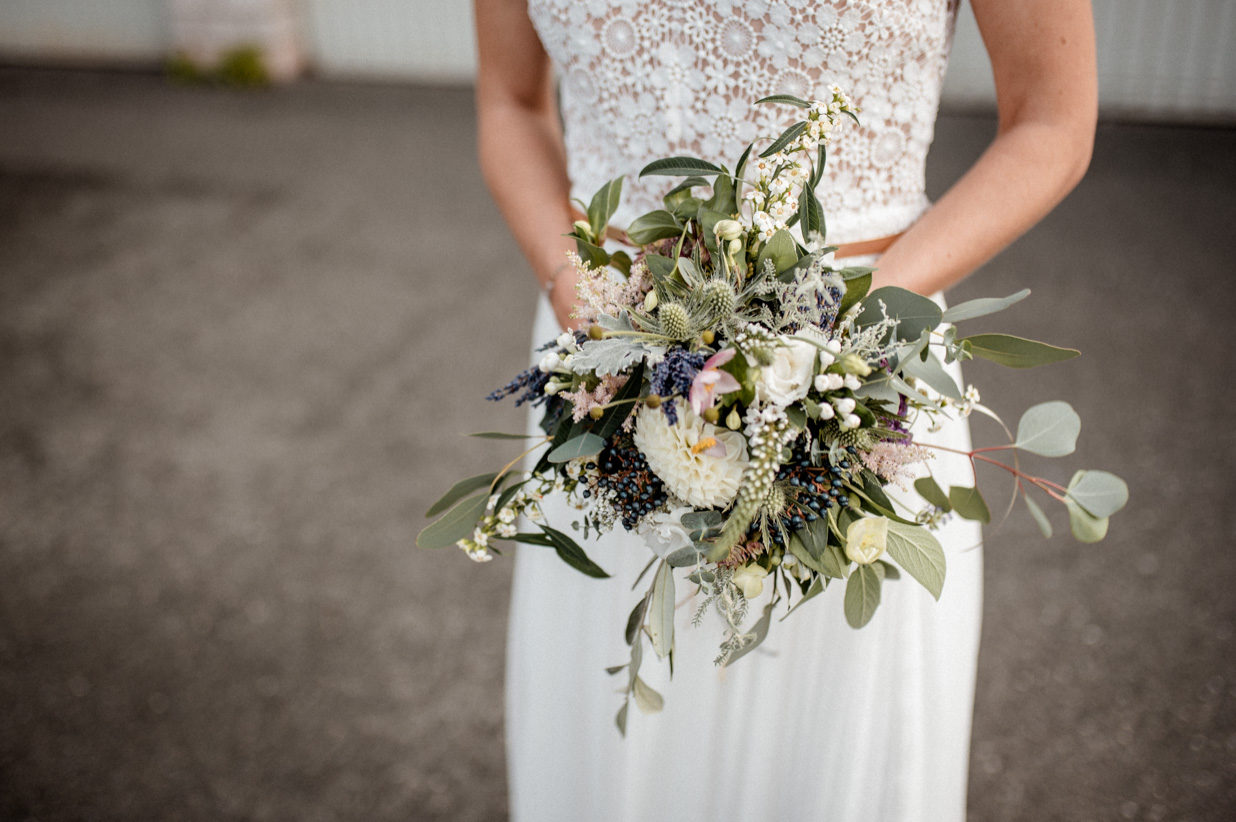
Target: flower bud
(596,412)
(854,364)
(596,332)
(866,539)
(735,247)
(653,401)
(845,405)
(733,421)
(707,336)
(583,229)
(650,300)
(728,229)
(711,415)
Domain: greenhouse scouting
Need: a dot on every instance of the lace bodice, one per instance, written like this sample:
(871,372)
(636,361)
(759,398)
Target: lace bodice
(653,78)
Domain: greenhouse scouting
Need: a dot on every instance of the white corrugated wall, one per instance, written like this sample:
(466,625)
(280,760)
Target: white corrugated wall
(1172,59)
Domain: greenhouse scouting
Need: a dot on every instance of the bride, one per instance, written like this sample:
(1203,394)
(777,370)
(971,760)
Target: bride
(823,722)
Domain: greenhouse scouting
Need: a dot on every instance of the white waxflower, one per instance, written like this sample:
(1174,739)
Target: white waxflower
(788,378)
(750,579)
(480,538)
(506,515)
(686,456)
(866,539)
(507,530)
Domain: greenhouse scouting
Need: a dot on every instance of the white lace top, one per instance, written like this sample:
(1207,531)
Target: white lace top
(642,79)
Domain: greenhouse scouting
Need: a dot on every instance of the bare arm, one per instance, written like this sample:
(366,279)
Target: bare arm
(1042,56)
(520,142)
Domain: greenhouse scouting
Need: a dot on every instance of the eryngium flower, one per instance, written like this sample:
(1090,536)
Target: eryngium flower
(687,456)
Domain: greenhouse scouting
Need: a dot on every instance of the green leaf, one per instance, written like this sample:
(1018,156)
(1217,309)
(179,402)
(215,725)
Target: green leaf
(797,416)
(685,557)
(760,629)
(932,372)
(931,491)
(708,220)
(914,312)
(1085,526)
(661,611)
(460,490)
(788,136)
(572,554)
(969,503)
(821,158)
(653,226)
(619,407)
(701,520)
(788,99)
(499,435)
(857,285)
(679,167)
(456,524)
(809,208)
(817,588)
(1049,429)
(604,204)
(1040,518)
(621,719)
(1016,352)
(723,199)
(594,255)
(1100,493)
(646,699)
(983,306)
(636,619)
(780,249)
(890,570)
(533,539)
(659,266)
(685,185)
(919,554)
(862,594)
(803,546)
(585,445)
(742,161)
(621,260)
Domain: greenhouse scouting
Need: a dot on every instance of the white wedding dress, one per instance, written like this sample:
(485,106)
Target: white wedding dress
(822,722)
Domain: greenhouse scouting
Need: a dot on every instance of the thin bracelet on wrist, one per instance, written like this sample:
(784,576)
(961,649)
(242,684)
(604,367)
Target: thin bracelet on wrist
(548,287)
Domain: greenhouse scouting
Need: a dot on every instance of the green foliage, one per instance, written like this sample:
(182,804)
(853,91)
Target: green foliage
(679,167)
(243,67)
(1016,352)
(1100,493)
(914,313)
(572,554)
(931,491)
(457,524)
(982,307)
(862,594)
(460,490)
(969,503)
(661,611)
(1040,519)
(919,554)
(1048,429)
(585,445)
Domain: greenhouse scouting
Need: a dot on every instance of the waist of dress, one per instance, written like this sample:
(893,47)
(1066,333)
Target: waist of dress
(861,248)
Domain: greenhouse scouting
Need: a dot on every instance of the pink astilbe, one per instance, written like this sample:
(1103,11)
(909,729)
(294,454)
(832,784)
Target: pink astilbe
(584,400)
(603,291)
(891,461)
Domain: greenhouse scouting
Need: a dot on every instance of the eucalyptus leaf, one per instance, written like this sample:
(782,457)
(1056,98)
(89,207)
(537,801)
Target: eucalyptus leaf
(585,445)
(679,167)
(701,520)
(1016,352)
(932,372)
(969,503)
(499,435)
(856,287)
(572,554)
(533,539)
(1085,526)
(621,719)
(862,594)
(636,620)
(931,491)
(817,588)
(1040,519)
(456,524)
(914,313)
(460,490)
(760,629)
(684,557)
(919,554)
(653,226)
(661,611)
(646,699)
(1048,429)
(982,306)
(1100,493)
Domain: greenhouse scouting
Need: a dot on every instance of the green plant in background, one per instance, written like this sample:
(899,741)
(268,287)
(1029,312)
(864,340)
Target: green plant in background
(240,67)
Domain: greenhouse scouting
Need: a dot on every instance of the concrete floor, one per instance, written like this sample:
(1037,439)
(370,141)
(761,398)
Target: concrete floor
(238,339)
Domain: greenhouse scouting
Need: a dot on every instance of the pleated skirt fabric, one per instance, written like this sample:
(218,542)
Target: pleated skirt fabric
(821,722)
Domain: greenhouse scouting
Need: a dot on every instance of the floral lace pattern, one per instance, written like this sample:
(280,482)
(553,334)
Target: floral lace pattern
(642,79)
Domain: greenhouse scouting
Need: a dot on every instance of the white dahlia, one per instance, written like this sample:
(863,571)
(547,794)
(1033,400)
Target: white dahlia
(688,456)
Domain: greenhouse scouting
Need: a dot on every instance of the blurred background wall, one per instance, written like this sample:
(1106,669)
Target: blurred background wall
(1158,59)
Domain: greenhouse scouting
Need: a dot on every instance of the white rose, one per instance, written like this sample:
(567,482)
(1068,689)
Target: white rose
(664,532)
(750,580)
(866,539)
(788,378)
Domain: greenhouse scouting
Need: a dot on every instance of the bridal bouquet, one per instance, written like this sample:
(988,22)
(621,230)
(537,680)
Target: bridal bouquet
(743,404)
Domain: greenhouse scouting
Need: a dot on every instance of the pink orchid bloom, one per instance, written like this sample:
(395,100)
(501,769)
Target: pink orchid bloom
(711,381)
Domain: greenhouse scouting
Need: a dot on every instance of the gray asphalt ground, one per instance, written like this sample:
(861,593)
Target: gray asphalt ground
(240,335)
